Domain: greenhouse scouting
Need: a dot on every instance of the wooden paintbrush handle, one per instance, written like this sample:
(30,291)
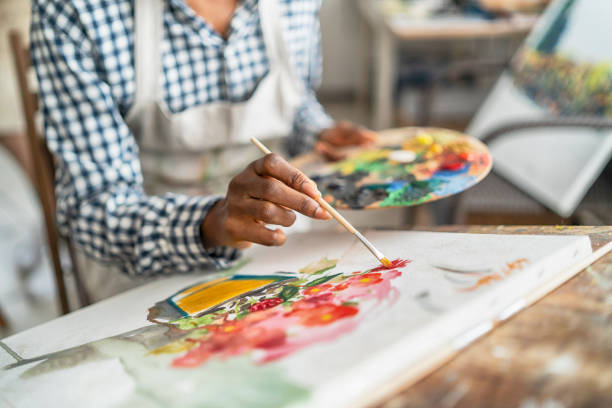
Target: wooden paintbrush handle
(336,215)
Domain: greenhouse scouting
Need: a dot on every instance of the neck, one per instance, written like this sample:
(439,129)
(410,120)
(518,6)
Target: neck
(217,13)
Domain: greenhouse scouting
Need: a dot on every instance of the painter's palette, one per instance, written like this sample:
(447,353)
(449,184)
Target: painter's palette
(407,167)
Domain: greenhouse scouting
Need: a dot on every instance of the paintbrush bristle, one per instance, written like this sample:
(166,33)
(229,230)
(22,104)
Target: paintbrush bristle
(386,262)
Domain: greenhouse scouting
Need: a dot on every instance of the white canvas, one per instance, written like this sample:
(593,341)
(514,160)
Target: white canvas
(556,166)
(444,298)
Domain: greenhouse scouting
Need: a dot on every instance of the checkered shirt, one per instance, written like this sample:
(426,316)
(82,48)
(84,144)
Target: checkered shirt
(83,55)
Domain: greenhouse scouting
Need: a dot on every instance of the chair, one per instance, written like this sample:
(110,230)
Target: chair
(43,171)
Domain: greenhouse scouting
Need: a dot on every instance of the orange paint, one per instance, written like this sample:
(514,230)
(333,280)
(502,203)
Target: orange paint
(483,281)
(507,270)
(215,293)
(512,266)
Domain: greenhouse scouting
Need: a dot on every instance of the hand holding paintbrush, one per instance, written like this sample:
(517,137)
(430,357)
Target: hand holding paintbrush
(319,199)
(267,192)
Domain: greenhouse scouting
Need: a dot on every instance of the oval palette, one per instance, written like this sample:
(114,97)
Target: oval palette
(407,166)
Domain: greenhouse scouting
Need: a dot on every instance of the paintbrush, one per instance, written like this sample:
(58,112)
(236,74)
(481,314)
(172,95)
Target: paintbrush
(379,255)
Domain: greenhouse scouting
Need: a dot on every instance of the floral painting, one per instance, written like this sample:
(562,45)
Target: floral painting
(187,361)
(317,306)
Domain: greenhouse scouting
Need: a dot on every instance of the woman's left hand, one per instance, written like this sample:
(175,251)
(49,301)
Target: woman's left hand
(343,134)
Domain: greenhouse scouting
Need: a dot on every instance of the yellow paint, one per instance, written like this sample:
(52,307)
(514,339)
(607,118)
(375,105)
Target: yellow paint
(425,139)
(435,148)
(365,280)
(173,348)
(212,295)
(326,317)
(201,286)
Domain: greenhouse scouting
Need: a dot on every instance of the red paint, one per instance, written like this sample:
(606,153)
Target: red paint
(453,166)
(396,263)
(319,289)
(277,328)
(467,156)
(324,314)
(265,304)
(454,162)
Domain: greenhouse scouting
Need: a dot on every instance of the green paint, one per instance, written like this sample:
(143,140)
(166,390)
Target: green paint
(188,323)
(288,292)
(322,265)
(321,280)
(236,382)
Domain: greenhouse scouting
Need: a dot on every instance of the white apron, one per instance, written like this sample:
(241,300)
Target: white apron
(184,152)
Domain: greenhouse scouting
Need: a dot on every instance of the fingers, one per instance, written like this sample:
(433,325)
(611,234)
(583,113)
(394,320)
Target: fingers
(348,134)
(329,151)
(366,136)
(270,213)
(271,190)
(249,231)
(272,165)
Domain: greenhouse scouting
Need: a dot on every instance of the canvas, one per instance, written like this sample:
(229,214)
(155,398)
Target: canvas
(315,323)
(407,167)
(563,69)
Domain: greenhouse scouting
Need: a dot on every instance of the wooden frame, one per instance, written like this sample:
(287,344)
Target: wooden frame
(43,175)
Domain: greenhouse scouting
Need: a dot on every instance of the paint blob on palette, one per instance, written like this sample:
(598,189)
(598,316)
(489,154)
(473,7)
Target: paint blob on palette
(407,167)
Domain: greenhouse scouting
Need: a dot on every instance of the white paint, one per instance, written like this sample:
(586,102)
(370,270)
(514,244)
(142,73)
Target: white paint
(565,364)
(402,156)
(549,403)
(501,352)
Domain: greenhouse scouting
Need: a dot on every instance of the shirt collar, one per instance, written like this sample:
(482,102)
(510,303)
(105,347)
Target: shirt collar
(245,12)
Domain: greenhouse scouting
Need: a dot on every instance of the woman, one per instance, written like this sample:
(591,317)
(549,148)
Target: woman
(133,87)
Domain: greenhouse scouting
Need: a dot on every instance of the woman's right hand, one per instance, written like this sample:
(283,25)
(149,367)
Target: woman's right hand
(266,192)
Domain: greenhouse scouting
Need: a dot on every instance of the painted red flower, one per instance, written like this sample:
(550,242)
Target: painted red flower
(312,302)
(324,314)
(366,279)
(265,304)
(315,290)
(396,263)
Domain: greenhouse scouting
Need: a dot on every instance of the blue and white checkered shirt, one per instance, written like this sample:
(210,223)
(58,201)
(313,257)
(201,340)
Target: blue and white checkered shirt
(83,54)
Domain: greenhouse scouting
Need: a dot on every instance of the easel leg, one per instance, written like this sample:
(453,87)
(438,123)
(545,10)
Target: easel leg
(3,321)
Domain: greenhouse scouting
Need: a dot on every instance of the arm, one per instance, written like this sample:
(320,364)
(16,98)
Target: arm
(311,118)
(100,200)
(313,128)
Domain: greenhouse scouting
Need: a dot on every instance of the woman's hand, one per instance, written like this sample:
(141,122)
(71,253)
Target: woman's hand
(343,134)
(266,192)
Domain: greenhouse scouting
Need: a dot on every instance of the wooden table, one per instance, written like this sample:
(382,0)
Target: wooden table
(389,31)
(557,353)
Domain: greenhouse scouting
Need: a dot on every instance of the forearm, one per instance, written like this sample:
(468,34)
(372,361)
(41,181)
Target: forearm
(144,235)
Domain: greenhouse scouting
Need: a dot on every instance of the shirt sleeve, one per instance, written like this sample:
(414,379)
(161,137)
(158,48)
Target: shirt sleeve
(311,118)
(101,203)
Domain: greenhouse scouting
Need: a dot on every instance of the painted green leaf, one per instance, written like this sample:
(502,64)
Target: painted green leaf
(322,265)
(321,280)
(187,323)
(288,292)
